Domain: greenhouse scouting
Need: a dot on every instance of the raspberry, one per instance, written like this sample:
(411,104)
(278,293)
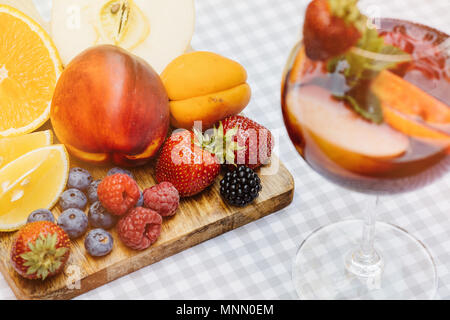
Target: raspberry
(118,193)
(140,228)
(163,198)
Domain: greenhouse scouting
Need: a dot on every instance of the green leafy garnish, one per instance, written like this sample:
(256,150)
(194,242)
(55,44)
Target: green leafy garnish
(365,103)
(364,62)
(375,57)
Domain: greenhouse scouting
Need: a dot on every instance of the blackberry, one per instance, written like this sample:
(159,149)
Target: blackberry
(99,217)
(98,243)
(92,191)
(240,187)
(115,170)
(41,215)
(73,198)
(74,222)
(79,178)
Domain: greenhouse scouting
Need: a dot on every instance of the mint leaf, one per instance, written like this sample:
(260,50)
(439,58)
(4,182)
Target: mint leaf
(363,102)
(372,113)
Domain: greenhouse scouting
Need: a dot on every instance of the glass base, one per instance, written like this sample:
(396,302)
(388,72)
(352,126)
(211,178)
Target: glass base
(406,270)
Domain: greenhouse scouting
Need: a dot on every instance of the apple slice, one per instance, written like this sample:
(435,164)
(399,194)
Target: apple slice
(157,31)
(332,122)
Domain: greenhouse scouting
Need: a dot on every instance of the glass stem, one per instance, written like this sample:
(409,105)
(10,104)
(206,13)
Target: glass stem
(365,260)
(368,233)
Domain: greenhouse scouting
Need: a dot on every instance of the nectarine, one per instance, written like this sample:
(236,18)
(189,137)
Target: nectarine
(110,105)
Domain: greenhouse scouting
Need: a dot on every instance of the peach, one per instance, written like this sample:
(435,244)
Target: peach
(204,86)
(110,105)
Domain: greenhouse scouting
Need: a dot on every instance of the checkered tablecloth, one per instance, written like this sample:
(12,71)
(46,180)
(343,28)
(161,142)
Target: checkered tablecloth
(255,261)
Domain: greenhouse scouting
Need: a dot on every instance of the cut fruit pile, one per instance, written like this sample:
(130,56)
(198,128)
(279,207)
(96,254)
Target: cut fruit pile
(29,69)
(34,180)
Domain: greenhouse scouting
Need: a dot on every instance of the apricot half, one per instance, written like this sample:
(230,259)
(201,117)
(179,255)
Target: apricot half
(204,86)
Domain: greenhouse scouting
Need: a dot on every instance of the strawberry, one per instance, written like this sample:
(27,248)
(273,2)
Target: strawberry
(331,28)
(246,142)
(186,164)
(40,250)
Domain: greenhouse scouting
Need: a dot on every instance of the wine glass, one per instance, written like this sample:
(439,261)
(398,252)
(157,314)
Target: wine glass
(374,120)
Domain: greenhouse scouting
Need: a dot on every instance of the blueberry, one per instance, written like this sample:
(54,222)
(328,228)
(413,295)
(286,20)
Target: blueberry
(41,215)
(120,170)
(92,191)
(140,202)
(74,222)
(73,198)
(79,178)
(98,242)
(99,217)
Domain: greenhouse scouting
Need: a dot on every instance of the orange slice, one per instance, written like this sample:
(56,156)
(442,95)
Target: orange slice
(32,181)
(14,147)
(29,69)
(298,65)
(414,128)
(408,99)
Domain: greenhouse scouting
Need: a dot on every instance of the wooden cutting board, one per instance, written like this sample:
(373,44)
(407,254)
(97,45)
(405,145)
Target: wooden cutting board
(198,219)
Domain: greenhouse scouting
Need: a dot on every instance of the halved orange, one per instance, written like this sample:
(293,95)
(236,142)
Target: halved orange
(29,69)
(32,181)
(13,147)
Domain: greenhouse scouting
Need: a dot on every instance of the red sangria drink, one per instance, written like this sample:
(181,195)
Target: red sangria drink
(366,103)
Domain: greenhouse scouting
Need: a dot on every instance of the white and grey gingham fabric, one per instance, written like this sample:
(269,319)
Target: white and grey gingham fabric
(255,261)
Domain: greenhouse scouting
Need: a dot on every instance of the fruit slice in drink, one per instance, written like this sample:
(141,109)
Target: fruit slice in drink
(345,138)
(411,110)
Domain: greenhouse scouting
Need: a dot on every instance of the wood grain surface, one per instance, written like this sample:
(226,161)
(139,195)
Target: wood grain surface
(198,219)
